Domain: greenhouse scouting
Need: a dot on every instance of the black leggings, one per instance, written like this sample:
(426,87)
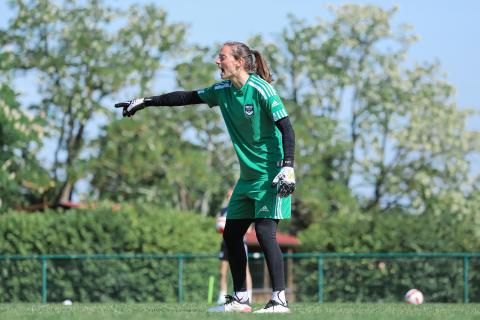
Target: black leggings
(266,230)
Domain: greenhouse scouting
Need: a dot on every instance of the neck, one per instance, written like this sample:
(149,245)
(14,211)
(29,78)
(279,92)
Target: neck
(240,80)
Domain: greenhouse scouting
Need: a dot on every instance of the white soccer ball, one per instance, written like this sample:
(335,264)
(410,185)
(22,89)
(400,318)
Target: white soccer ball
(414,296)
(67,302)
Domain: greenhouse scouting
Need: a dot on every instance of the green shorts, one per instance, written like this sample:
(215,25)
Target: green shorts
(258,199)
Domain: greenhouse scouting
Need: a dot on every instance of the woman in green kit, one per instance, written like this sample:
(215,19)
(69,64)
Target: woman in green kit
(264,141)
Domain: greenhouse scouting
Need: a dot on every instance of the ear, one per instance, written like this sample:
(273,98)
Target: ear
(240,63)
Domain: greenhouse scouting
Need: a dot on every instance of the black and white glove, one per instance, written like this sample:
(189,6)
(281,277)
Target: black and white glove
(131,106)
(285,181)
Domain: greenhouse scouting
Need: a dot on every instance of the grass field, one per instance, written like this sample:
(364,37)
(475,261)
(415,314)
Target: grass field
(190,311)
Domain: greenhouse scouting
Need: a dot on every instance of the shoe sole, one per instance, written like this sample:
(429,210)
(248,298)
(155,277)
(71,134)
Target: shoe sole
(261,311)
(246,310)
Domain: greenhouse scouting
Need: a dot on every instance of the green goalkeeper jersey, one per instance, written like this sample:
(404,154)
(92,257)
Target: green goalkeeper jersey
(250,114)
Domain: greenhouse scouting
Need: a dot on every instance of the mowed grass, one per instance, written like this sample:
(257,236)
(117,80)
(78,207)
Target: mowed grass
(191,311)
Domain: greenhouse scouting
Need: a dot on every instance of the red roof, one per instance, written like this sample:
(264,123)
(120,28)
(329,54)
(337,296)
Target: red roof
(71,204)
(284,240)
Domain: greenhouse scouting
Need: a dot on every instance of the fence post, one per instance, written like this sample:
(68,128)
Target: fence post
(320,279)
(465,279)
(44,279)
(180,278)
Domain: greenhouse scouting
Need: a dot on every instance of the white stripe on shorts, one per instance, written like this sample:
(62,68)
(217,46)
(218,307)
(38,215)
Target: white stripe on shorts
(278,207)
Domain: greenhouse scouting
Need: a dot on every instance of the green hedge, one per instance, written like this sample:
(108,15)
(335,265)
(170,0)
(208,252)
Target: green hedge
(137,229)
(374,280)
(131,229)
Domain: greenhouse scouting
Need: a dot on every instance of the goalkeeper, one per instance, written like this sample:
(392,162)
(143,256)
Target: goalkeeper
(264,141)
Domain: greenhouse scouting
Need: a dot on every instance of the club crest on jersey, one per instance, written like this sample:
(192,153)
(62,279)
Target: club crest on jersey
(249,110)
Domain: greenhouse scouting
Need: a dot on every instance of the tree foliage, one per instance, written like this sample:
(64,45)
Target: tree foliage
(83,53)
(375,132)
(21,176)
(367,123)
(177,157)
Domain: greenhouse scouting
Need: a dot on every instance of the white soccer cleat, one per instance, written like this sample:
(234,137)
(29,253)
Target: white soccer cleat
(232,304)
(274,307)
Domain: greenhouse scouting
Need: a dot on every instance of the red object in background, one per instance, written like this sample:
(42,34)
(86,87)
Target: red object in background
(283,239)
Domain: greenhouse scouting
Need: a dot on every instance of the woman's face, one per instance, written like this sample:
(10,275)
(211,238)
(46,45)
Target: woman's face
(229,66)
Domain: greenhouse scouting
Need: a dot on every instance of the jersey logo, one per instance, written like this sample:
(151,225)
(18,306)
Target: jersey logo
(249,110)
(274,103)
(264,209)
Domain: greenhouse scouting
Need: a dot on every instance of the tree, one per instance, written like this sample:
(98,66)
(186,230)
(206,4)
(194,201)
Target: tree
(367,122)
(84,53)
(21,176)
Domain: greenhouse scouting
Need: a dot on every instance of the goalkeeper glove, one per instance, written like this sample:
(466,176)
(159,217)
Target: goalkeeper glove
(285,182)
(131,106)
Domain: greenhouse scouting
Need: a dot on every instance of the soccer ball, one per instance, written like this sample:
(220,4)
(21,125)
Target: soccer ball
(414,296)
(67,302)
(220,224)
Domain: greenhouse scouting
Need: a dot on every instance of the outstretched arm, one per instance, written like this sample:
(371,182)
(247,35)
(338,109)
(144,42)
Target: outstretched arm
(176,98)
